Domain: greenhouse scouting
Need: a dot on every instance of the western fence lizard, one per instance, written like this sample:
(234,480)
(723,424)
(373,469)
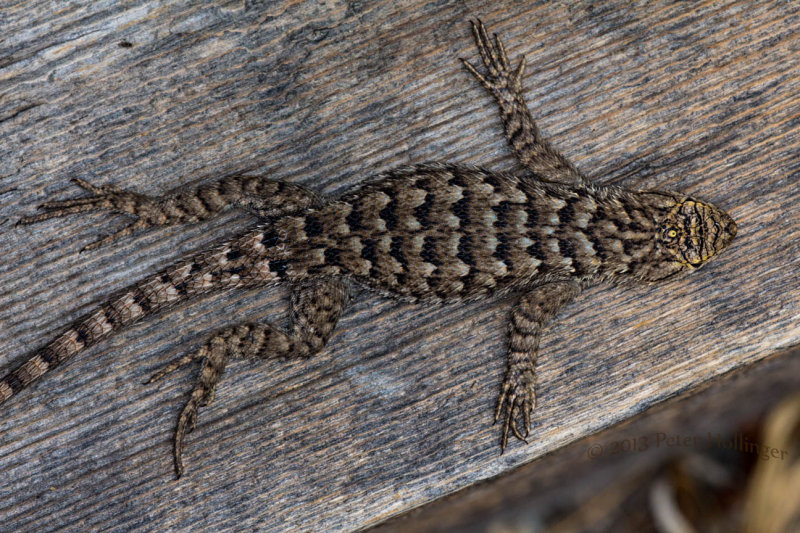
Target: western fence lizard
(425,233)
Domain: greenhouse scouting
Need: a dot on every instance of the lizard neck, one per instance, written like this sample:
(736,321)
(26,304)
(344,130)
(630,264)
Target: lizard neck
(626,229)
(594,233)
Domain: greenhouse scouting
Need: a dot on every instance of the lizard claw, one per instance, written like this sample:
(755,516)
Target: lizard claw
(124,232)
(187,422)
(202,395)
(105,197)
(516,398)
(175,365)
(500,79)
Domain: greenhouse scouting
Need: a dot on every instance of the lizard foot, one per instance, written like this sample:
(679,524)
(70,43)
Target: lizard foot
(202,395)
(106,197)
(175,365)
(517,398)
(187,421)
(499,80)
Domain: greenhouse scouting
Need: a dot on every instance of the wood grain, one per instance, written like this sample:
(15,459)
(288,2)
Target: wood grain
(700,97)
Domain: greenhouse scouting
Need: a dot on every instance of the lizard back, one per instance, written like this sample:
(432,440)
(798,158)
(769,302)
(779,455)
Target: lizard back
(436,231)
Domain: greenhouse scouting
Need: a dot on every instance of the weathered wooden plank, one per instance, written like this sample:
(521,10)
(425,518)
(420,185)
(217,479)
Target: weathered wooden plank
(699,97)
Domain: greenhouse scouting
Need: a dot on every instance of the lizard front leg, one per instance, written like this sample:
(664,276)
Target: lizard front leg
(528,319)
(264,197)
(505,84)
(316,308)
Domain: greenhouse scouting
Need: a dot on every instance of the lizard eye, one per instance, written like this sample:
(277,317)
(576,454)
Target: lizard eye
(670,234)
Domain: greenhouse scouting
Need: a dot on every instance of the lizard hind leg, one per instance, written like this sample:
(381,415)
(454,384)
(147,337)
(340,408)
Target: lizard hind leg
(316,308)
(260,195)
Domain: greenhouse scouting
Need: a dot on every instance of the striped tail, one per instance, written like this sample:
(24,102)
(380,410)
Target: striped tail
(246,260)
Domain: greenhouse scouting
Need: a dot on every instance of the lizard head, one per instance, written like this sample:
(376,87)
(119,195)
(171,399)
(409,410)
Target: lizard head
(693,232)
(688,234)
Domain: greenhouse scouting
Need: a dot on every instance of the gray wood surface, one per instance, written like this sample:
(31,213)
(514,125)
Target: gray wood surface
(695,96)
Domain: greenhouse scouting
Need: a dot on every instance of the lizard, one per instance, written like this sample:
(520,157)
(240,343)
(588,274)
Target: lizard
(426,233)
